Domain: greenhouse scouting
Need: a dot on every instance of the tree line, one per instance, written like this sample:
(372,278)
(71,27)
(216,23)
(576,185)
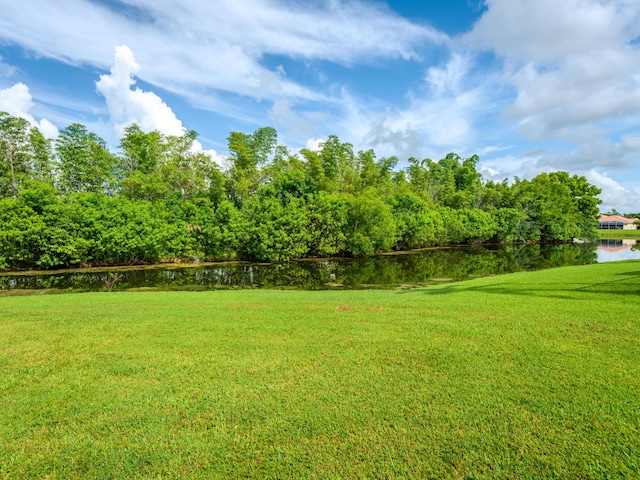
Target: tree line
(72,201)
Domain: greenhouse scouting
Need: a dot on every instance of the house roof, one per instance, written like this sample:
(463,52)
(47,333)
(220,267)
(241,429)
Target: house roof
(616,218)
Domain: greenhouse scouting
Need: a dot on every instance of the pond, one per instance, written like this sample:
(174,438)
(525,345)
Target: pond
(614,250)
(396,270)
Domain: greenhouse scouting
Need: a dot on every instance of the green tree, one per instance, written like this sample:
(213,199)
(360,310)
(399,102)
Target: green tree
(340,166)
(141,152)
(375,173)
(277,226)
(41,164)
(371,226)
(86,164)
(20,235)
(232,231)
(556,207)
(15,153)
(314,168)
(140,157)
(508,224)
(249,152)
(417,224)
(451,182)
(186,170)
(328,222)
(585,199)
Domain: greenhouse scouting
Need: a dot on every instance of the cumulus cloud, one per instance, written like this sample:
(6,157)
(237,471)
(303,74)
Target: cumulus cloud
(396,134)
(573,101)
(572,63)
(128,104)
(221,160)
(573,68)
(439,116)
(614,195)
(17,101)
(546,31)
(315,144)
(624,198)
(489,173)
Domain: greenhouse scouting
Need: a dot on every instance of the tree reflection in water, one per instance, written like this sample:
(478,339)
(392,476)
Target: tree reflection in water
(383,271)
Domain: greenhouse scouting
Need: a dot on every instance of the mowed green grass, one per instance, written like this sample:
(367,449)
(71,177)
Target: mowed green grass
(528,375)
(623,234)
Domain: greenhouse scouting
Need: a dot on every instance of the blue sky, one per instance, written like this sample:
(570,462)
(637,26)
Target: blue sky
(529,86)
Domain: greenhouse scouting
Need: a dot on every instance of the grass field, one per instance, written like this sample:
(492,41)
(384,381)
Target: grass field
(528,375)
(624,234)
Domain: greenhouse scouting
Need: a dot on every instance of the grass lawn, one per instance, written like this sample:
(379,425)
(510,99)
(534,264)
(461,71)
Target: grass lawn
(624,234)
(528,375)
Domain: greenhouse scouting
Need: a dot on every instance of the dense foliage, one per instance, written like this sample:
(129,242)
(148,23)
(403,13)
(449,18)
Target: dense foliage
(74,202)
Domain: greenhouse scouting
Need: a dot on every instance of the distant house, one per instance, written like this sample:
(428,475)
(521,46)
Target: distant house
(616,222)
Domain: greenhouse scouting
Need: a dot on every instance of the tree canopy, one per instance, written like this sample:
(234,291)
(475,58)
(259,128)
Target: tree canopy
(73,201)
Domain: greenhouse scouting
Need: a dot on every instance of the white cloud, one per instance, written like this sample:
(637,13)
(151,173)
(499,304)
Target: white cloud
(631,142)
(129,105)
(573,101)
(449,78)
(298,124)
(548,31)
(573,67)
(442,117)
(489,173)
(17,101)
(598,154)
(221,160)
(315,144)
(224,48)
(613,194)
(573,64)
(392,134)
(6,70)
(505,167)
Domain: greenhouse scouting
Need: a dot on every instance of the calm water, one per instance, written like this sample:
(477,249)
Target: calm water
(426,267)
(614,250)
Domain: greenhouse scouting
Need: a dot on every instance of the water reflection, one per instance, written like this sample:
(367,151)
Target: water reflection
(384,271)
(612,250)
